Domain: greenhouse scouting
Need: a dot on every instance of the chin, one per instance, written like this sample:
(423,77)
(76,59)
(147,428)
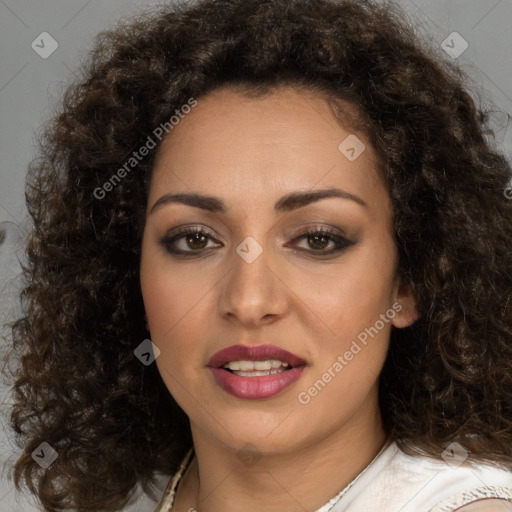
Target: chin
(266,434)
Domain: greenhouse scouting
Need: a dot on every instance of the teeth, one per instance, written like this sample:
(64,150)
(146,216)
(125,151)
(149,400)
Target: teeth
(256,373)
(250,366)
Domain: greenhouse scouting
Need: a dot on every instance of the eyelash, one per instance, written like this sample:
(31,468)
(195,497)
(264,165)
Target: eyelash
(341,242)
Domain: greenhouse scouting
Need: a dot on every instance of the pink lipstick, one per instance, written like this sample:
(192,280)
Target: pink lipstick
(255,372)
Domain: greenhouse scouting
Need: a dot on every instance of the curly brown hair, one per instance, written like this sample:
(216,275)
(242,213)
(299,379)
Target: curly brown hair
(78,385)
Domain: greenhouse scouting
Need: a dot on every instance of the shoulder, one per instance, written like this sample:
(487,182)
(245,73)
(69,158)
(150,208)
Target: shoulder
(491,505)
(455,484)
(418,483)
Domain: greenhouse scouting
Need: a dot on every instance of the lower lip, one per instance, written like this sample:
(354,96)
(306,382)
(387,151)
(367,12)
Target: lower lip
(256,387)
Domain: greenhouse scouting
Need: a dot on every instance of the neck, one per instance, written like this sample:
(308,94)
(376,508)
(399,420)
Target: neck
(220,479)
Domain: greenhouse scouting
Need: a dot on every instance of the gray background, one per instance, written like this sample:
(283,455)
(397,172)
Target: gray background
(30,86)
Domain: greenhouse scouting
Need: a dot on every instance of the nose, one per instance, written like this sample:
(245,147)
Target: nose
(252,293)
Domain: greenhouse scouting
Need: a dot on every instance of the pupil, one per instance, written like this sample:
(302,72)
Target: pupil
(314,240)
(196,238)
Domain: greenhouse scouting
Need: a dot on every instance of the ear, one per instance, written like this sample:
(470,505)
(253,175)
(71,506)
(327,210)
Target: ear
(405,305)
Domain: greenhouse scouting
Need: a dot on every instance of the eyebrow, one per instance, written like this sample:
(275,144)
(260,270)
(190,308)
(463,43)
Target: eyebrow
(286,203)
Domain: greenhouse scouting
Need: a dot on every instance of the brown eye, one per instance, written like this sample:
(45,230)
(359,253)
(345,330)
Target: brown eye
(187,241)
(196,241)
(318,240)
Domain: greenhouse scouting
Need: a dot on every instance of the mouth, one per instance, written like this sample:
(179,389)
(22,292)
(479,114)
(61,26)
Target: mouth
(253,359)
(261,368)
(257,371)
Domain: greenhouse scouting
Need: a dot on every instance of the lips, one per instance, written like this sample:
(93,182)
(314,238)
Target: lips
(254,353)
(255,386)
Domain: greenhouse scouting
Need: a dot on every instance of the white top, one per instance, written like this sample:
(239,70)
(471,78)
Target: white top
(396,482)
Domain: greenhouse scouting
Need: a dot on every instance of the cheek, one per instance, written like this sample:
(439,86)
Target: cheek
(177,328)
(173,294)
(172,302)
(350,294)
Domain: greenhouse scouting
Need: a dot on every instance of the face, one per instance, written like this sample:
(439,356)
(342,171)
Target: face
(262,233)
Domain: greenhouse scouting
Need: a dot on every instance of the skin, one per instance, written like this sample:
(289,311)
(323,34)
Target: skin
(489,505)
(249,152)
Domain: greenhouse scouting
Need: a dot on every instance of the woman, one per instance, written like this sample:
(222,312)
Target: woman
(270,260)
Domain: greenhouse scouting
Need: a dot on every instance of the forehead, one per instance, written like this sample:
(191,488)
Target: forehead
(232,144)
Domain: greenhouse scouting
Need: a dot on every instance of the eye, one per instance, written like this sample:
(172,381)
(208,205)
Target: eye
(319,239)
(190,240)
(187,240)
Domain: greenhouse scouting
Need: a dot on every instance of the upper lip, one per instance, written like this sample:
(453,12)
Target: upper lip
(253,353)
